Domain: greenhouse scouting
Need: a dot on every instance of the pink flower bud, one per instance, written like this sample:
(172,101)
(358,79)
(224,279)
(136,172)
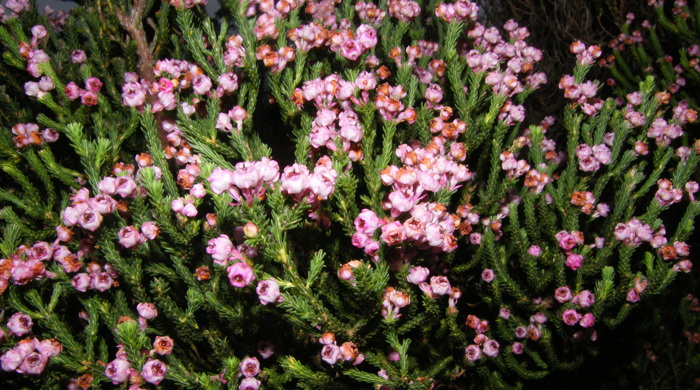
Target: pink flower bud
(535,251)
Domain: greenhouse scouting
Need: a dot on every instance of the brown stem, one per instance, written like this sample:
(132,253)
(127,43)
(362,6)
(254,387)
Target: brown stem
(133,24)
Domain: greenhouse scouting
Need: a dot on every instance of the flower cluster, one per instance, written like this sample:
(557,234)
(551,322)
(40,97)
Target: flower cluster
(98,277)
(29,356)
(483,345)
(587,202)
(331,353)
(634,232)
(392,301)
(89,95)
(39,88)
(119,370)
(27,264)
(567,241)
(428,169)
(31,53)
(28,134)
(249,368)
(590,158)
(509,64)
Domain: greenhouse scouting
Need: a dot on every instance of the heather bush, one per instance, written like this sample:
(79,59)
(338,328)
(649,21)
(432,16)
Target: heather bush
(321,194)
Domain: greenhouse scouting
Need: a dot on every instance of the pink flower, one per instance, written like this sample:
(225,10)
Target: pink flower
(93,84)
(147,310)
(440,285)
(163,345)
(417,275)
(249,384)
(201,84)
(562,294)
(154,371)
(240,274)
(535,251)
(667,195)
(221,180)
(20,324)
(367,222)
(517,348)
(125,186)
(118,370)
(584,299)
(33,364)
(220,249)
(11,359)
(41,251)
(133,95)
(473,353)
(103,204)
(101,281)
(49,348)
(487,276)
(268,291)
(588,320)
(150,230)
(81,282)
(78,56)
(88,98)
(566,240)
(322,182)
(295,179)
(504,313)
(393,233)
(330,353)
(249,367)
(491,348)
(351,49)
(89,220)
(573,261)
(570,317)
(130,237)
